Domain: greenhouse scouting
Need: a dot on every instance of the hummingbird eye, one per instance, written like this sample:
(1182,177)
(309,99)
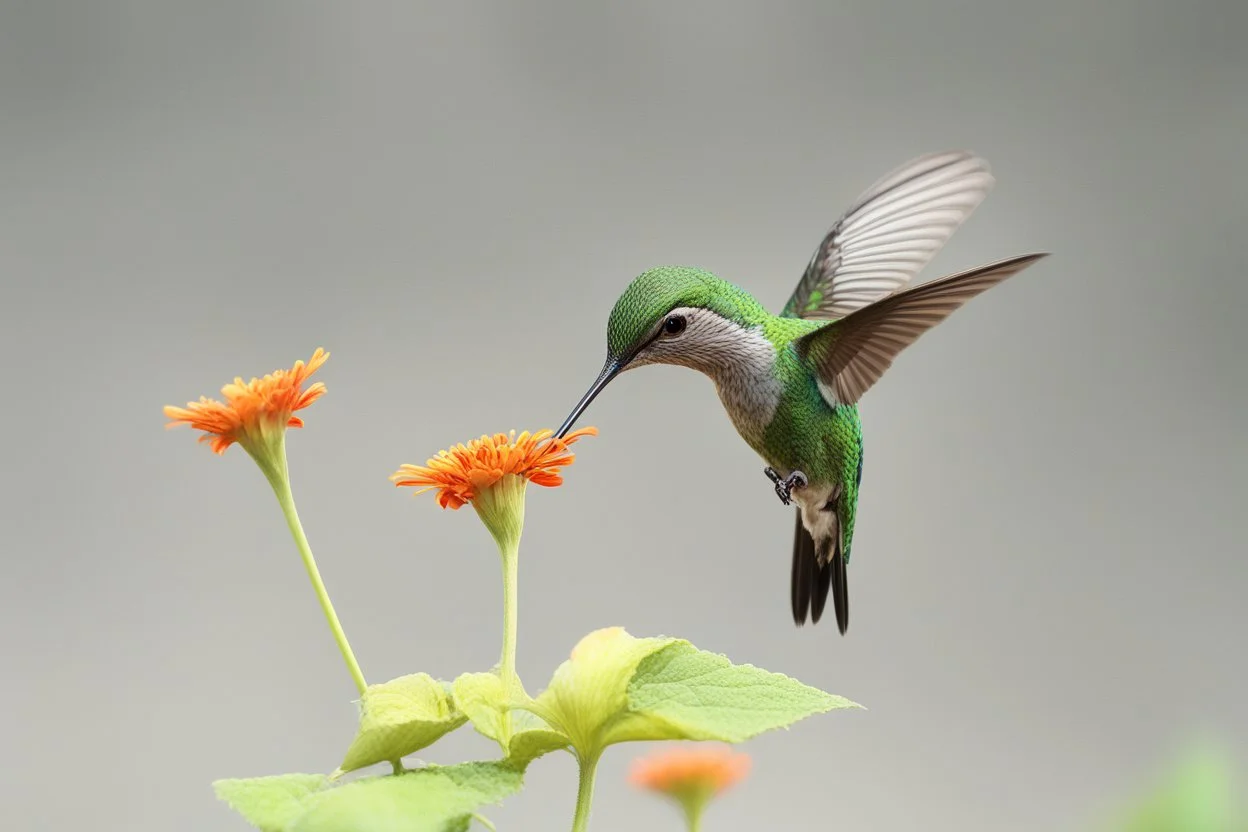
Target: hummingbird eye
(674,325)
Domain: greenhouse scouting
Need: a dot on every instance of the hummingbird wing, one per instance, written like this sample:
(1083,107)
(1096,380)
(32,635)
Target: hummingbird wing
(850,355)
(890,233)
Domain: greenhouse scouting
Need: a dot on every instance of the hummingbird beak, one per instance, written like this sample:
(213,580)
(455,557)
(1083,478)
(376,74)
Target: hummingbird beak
(609,371)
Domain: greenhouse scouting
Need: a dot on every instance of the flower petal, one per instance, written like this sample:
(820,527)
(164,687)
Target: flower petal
(251,405)
(462,472)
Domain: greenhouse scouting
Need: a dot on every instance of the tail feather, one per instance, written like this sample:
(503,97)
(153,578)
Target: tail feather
(819,594)
(840,589)
(805,568)
(814,576)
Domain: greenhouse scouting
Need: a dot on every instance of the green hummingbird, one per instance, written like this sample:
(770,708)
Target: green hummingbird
(791,382)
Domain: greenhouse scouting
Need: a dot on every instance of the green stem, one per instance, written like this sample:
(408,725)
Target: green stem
(693,814)
(507,664)
(280,480)
(501,509)
(585,791)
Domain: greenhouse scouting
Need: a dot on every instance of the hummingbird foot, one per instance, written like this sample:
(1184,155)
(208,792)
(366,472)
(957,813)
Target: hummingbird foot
(785,486)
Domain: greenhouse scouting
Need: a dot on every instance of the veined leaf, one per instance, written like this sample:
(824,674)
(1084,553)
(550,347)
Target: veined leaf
(480,696)
(270,803)
(617,688)
(401,717)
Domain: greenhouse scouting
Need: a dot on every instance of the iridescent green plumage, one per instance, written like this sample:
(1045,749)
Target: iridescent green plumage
(659,290)
(791,382)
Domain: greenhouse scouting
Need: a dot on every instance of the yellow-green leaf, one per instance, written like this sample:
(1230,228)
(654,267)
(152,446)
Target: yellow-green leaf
(1200,797)
(617,688)
(401,717)
(589,692)
(270,803)
(531,738)
(480,696)
(681,692)
(433,799)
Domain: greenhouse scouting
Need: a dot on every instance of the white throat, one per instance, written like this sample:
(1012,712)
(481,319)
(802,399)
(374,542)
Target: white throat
(740,360)
(748,386)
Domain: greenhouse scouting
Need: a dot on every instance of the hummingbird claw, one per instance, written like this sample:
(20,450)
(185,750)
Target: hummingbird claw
(784,487)
(782,491)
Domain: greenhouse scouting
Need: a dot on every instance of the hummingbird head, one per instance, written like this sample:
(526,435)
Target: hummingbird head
(671,315)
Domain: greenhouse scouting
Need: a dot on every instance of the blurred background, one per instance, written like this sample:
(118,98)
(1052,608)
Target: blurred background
(1048,578)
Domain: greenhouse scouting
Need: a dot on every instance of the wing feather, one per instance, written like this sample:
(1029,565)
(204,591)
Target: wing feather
(850,355)
(890,233)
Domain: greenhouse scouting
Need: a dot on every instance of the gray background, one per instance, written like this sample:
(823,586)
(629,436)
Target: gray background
(1049,565)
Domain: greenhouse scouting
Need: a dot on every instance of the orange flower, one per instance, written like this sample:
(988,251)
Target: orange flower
(492,473)
(252,409)
(691,773)
(463,472)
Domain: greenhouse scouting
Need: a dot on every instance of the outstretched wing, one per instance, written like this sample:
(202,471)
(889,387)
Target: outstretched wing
(850,355)
(889,234)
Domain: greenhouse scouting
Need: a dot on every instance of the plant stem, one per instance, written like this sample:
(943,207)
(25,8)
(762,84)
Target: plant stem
(693,814)
(501,509)
(507,664)
(585,791)
(280,480)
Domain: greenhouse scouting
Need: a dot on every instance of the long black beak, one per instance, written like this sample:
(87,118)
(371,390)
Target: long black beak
(609,371)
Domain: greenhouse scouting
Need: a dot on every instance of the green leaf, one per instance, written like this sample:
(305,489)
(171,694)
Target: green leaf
(531,738)
(400,717)
(480,696)
(681,692)
(617,688)
(270,803)
(589,692)
(1198,798)
(432,799)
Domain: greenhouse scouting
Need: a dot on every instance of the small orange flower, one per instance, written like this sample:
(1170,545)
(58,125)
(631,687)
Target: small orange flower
(463,472)
(252,409)
(691,772)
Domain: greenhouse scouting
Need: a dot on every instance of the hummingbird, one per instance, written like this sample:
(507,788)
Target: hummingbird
(791,383)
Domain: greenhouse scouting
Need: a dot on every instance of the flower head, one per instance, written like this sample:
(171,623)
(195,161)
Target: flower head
(254,412)
(491,473)
(462,473)
(679,771)
(692,777)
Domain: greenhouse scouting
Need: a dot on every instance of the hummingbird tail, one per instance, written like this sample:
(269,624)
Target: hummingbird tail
(840,589)
(804,583)
(814,576)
